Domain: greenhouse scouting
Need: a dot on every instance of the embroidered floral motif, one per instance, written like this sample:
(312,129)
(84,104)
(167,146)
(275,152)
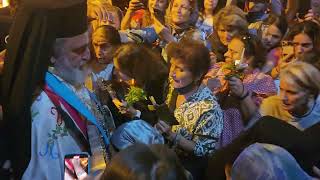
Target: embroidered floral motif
(34,114)
(59,131)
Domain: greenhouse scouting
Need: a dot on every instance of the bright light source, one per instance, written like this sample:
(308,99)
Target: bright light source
(5,3)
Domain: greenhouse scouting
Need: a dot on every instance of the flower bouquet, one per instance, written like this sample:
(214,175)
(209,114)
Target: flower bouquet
(134,95)
(235,69)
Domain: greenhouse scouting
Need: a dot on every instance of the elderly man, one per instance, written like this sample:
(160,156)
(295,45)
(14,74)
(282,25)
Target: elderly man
(65,118)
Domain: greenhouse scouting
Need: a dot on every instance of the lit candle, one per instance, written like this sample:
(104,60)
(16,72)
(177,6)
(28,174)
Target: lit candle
(240,61)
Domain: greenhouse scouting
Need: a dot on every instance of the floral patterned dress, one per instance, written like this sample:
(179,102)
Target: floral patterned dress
(200,120)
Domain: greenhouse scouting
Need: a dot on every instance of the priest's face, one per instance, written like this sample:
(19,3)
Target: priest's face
(71,58)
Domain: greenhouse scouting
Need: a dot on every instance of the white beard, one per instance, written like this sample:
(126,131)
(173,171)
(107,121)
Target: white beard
(75,75)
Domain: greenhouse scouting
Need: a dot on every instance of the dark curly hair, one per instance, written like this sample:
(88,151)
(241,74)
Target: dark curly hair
(191,53)
(140,62)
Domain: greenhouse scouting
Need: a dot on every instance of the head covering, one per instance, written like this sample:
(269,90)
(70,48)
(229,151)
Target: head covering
(266,161)
(137,131)
(37,24)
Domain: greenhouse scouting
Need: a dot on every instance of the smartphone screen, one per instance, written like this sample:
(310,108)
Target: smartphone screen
(76,166)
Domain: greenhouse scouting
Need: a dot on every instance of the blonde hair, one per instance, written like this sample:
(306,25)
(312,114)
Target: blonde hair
(304,75)
(231,16)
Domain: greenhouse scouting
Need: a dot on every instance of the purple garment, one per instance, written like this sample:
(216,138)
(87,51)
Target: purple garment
(261,86)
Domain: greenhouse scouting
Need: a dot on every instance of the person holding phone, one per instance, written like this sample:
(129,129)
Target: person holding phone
(151,8)
(303,37)
(76,166)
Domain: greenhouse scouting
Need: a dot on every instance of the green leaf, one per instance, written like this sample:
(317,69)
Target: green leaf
(134,95)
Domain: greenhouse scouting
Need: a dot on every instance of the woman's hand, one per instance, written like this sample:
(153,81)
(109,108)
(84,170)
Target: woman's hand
(312,16)
(213,58)
(236,87)
(213,83)
(316,171)
(162,31)
(135,5)
(125,108)
(79,170)
(165,129)
(283,63)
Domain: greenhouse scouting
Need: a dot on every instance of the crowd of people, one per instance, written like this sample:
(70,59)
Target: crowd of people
(160,89)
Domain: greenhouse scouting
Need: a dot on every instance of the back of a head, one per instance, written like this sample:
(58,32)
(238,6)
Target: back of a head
(266,161)
(141,63)
(142,162)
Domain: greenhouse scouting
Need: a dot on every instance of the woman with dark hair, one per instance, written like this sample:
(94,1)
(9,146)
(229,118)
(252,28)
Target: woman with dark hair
(144,66)
(243,85)
(302,37)
(142,162)
(105,41)
(195,107)
(304,32)
(271,33)
(136,65)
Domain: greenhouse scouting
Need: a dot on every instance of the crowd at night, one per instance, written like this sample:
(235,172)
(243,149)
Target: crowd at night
(159,89)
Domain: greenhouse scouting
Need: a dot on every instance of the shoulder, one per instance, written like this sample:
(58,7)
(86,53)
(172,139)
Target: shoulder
(272,106)
(271,101)
(206,99)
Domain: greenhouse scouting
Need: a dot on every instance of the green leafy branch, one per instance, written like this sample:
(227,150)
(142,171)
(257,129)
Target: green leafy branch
(134,95)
